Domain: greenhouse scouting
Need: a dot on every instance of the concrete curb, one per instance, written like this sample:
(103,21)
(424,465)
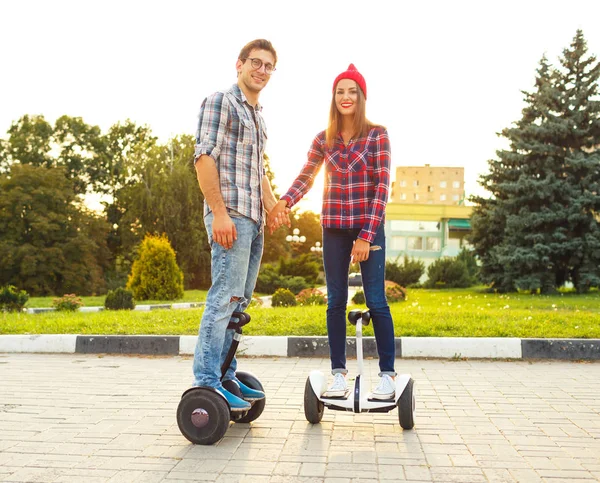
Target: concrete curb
(407,347)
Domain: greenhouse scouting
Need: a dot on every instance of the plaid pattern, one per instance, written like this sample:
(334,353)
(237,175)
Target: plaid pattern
(234,134)
(357,180)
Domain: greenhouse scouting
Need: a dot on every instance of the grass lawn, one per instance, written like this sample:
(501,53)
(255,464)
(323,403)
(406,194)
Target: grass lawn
(426,313)
(98,301)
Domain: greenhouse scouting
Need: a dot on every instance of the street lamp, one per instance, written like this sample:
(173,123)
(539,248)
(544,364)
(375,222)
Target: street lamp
(296,237)
(317,248)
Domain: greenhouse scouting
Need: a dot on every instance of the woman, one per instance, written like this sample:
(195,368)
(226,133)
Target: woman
(356,155)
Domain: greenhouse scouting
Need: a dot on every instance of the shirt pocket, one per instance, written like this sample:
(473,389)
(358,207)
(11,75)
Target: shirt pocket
(247,132)
(358,160)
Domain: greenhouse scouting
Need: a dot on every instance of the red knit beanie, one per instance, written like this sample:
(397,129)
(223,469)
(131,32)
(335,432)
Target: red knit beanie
(354,75)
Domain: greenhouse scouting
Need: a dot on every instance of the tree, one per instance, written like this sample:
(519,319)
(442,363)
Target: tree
(540,229)
(29,142)
(50,245)
(167,199)
(155,274)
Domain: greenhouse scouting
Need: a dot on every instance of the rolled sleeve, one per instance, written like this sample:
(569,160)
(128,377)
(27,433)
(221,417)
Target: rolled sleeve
(212,125)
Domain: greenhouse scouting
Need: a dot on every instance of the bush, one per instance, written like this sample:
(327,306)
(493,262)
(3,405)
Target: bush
(119,299)
(359,298)
(67,303)
(269,280)
(303,266)
(468,258)
(405,274)
(283,298)
(395,292)
(448,272)
(311,296)
(12,300)
(155,274)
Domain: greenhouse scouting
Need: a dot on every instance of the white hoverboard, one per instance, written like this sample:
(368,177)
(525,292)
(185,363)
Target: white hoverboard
(357,399)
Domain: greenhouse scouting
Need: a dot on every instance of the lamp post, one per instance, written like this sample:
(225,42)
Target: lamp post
(295,237)
(317,248)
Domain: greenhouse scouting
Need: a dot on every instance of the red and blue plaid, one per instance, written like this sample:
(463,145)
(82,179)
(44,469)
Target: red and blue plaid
(357,180)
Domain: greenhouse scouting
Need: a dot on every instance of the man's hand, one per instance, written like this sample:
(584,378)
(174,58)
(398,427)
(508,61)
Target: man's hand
(278,216)
(360,250)
(223,230)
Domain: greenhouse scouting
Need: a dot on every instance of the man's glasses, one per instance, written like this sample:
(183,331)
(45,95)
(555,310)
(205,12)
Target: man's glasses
(256,64)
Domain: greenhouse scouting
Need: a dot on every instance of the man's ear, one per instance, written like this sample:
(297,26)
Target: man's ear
(238,66)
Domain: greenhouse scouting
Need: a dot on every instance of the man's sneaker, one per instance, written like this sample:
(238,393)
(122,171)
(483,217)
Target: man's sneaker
(235,403)
(240,389)
(386,388)
(339,386)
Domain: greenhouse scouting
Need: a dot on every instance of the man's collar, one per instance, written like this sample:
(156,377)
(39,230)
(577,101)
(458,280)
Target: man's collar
(239,94)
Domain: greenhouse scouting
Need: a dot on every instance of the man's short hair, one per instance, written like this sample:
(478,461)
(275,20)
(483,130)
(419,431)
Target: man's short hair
(259,44)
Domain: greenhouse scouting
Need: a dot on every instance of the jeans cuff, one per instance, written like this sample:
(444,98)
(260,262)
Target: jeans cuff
(339,371)
(389,373)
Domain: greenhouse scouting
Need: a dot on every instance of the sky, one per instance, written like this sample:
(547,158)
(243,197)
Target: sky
(444,77)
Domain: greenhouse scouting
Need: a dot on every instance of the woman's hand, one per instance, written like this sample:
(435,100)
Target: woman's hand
(278,216)
(360,251)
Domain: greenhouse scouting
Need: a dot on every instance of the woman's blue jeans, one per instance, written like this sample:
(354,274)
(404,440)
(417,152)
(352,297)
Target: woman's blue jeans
(337,248)
(234,274)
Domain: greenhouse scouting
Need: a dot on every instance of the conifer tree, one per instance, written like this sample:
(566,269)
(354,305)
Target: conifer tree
(540,227)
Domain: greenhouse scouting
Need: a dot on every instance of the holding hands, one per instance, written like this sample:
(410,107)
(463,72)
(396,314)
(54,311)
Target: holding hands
(279,215)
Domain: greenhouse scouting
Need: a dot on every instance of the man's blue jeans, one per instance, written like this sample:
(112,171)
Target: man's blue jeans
(234,274)
(337,248)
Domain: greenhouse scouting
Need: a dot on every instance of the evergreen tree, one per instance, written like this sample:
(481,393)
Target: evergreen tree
(540,227)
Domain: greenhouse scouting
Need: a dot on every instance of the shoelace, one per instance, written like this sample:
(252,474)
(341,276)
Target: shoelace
(385,385)
(339,382)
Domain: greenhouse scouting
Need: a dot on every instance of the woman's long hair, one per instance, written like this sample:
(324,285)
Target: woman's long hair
(361,125)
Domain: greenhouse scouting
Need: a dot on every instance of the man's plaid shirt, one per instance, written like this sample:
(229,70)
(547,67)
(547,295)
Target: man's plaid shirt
(234,134)
(357,180)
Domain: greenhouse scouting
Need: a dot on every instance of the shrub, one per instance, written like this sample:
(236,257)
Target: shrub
(395,292)
(448,272)
(155,274)
(255,302)
(67,303)
(468,258)
(405,274)
(119,299)
(12,300)
(269,280)
(311,296)
(283,298)
(359,298)
(303,266)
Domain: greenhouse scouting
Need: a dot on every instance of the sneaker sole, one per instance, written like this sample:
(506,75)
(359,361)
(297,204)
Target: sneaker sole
(382,397)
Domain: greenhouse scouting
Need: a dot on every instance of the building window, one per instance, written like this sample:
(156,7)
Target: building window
(455,197)
(416,196)
(403,183)
(442,197)
(402,196)
(407,225)
(433,244)
(443,184)
(398,243)
(415,243)
(456,184)
(430,189)
(416,183)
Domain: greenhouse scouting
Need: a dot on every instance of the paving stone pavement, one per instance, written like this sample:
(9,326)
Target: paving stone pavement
(91,418)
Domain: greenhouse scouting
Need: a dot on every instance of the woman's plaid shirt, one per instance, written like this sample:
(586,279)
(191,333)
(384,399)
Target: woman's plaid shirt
(234,134)
(357,180)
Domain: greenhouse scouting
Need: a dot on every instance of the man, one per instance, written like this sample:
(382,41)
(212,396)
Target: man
(230,145)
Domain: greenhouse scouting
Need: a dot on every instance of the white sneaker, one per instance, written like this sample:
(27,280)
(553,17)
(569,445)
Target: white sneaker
(339,386)
(386,388)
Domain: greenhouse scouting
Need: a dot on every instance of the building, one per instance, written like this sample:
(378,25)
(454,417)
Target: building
(426,231)
(430,185)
